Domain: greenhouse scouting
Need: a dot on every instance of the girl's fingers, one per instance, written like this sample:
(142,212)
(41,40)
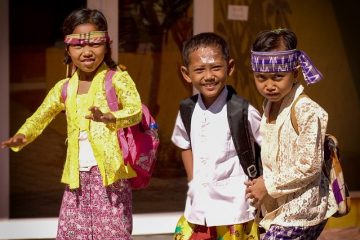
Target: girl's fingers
(13,142)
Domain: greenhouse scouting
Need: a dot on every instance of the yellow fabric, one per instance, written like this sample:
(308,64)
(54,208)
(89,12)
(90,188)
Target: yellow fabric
(102,136)
(249,230)
(83,106)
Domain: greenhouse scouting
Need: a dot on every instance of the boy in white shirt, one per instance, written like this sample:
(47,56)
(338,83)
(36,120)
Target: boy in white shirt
(218,132)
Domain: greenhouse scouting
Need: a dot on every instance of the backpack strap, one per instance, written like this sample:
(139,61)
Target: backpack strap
(111,97)
(294,122)
(64,91)
(187,107)
(113,104)
(237,111)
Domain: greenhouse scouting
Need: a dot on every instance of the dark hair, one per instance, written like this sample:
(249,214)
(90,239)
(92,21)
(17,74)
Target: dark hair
(202,40)
(83,16)
(272,39)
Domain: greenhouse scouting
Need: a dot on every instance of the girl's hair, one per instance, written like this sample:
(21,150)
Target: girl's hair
(272,39)
(203,40)
(83,16)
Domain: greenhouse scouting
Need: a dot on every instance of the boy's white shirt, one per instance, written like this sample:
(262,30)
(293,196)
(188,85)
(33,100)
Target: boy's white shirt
(216,194)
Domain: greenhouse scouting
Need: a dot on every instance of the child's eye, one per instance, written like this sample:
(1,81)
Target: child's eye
(278,77)
(260,77)
(198,70)
(216,68)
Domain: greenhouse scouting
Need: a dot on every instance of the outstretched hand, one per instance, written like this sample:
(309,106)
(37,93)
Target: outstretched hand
(256,191)
(15,141)
(98,116)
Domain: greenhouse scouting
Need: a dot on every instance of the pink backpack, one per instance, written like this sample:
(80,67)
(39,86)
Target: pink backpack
(139,143)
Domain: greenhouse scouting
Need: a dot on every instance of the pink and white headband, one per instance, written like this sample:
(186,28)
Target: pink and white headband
(94,37)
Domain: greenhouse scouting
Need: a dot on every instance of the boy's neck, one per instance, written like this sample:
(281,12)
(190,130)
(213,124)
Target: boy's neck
(209,101)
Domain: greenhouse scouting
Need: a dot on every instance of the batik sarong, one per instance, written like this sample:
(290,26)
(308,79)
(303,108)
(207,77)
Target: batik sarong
(94,211)
(277,232)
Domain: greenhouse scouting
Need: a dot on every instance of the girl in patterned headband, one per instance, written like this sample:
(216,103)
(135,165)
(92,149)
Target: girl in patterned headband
(97,198)
(293,189)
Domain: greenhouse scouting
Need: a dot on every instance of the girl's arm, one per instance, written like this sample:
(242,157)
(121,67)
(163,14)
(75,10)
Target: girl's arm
(130,113)
(37,122)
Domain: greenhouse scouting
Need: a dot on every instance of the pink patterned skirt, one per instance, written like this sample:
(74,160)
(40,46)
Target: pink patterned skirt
(94,211)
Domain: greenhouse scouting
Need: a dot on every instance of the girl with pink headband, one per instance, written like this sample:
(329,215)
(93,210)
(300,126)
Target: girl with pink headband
(97,202)
(293,192)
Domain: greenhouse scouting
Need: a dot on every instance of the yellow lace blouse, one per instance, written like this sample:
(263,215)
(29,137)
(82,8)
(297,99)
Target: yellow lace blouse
(102,136)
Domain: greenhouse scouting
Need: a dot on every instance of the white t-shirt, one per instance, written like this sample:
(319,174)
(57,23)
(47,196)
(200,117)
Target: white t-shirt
(216,194)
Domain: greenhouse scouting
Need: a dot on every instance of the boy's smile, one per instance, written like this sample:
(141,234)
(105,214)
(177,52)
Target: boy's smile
(208,71)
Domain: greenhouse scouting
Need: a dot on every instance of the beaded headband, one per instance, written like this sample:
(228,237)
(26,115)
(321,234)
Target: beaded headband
(285,61)
(93,37)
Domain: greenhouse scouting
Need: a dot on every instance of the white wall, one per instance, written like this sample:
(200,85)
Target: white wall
(110,8)
(203,16)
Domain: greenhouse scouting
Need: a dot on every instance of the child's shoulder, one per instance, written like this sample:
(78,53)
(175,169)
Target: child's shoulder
(61,82)
(189,100)
(234,98)
(120,73)
(308,105)
(232,92)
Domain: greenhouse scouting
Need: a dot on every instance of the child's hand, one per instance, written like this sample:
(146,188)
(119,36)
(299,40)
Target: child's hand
(15,141)
(98,116)
(256,191)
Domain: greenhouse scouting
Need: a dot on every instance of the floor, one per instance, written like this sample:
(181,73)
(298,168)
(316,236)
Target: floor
(153,237)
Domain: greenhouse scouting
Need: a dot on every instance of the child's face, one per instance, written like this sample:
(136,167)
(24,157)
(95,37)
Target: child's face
(275,86)
(208,71)
(87,57)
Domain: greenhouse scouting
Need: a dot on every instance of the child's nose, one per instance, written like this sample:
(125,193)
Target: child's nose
(87,50)
(270,85)
(209,75)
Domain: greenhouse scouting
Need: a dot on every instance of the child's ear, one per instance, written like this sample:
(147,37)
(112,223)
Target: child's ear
(231,66)
(185,74)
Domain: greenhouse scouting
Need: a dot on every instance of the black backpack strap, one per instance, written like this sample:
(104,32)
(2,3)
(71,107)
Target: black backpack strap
(237,110)
(186,110)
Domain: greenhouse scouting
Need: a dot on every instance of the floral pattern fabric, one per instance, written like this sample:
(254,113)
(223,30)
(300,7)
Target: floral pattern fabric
(94,211)
(188,231)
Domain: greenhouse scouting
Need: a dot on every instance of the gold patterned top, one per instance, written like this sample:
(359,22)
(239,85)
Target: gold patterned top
(102,137)
(299,192)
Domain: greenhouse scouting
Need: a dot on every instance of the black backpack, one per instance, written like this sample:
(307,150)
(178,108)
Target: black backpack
(237,113)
